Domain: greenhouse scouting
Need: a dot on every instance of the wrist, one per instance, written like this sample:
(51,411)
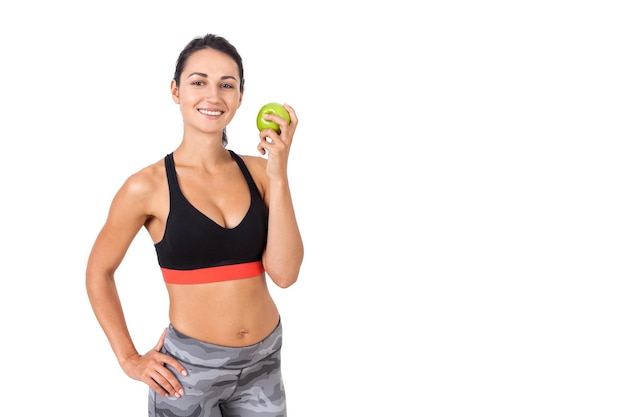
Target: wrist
(125,360)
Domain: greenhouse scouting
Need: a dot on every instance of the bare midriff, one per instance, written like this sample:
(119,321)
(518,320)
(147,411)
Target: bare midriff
(229,313)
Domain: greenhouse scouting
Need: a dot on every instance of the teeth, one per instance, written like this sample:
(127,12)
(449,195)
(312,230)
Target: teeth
(210,113)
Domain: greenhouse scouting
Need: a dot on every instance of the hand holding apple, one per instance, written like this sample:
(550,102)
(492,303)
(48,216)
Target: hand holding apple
(277,145)
(271,108)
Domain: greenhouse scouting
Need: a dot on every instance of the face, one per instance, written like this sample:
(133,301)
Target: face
(209,93)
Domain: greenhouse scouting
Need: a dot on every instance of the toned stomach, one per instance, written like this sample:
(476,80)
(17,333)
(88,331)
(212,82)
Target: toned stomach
(230,313)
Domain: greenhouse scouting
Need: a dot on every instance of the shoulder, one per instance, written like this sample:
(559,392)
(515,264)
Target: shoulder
(254,162)
(257,166)
(143,186)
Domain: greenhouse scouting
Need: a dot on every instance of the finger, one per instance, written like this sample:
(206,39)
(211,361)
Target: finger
(267,139)
(264,147)
(171,361)
(164,376)
(165,384)
(269,135)
(282,123)
(272,117)
(269,147)
(157,388)
(292,114)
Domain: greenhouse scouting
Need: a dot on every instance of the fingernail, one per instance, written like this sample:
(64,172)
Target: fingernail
(184,372)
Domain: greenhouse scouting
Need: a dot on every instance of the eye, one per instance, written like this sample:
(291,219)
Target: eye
(198,83)
(226,85)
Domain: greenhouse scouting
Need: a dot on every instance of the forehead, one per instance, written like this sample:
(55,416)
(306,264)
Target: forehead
(210,61)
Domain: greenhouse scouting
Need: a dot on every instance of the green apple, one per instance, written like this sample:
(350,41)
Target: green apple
(271,108)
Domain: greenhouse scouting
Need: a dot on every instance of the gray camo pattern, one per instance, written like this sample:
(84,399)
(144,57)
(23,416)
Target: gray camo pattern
(224,381)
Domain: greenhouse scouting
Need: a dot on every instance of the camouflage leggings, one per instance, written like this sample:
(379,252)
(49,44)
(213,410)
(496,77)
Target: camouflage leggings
(224,381)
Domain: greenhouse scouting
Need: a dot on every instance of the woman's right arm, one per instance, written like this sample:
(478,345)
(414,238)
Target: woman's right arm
(128,213)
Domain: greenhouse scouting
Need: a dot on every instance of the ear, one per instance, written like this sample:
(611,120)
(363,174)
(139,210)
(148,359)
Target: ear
(174,90)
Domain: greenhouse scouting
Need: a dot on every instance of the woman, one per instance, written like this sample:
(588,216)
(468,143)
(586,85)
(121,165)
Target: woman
(219,222)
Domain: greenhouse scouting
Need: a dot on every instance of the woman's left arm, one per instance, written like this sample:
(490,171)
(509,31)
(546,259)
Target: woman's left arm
(284,251)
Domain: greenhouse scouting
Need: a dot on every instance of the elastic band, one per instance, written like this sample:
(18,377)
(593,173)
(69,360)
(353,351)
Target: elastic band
(213,274)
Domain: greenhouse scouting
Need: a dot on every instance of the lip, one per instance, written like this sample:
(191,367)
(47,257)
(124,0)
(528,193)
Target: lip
(211,112)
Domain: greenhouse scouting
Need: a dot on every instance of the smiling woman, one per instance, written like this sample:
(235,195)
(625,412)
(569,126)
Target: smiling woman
(209,72)
(220,224)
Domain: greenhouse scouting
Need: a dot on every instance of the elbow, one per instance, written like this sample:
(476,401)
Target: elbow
(284,274)
(96,278)
(284,271)
(286,282)
(282,277)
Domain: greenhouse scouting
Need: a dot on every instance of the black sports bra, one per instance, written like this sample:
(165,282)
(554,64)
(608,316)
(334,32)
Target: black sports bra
(196,250)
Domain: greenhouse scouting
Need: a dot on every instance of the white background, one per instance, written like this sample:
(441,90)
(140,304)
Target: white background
(458,174)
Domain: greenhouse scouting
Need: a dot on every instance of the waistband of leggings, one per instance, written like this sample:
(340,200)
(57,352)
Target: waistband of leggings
(199,353)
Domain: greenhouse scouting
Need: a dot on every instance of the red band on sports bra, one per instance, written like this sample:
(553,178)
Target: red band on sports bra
(213,274)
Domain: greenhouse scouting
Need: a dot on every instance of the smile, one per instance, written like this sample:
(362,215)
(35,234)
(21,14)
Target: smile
(211,112)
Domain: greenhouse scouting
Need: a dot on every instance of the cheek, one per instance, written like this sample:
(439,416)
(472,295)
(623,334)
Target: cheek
(188,100)
(235,100)
(189,93)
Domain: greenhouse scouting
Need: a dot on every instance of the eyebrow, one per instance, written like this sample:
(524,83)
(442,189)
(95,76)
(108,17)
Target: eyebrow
(202,74)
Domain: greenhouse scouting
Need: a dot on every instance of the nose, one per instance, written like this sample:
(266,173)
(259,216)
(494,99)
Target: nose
(211,92)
